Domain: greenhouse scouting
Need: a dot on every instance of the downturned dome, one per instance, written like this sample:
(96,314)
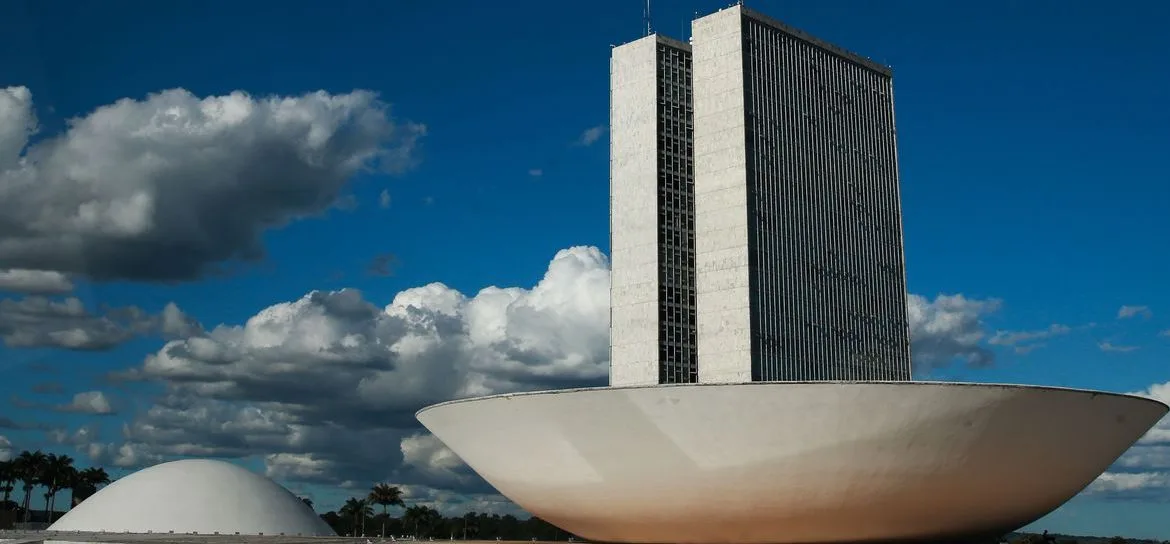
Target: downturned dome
(196,495)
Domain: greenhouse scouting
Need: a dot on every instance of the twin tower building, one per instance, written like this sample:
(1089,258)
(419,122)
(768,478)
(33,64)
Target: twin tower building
(755,214)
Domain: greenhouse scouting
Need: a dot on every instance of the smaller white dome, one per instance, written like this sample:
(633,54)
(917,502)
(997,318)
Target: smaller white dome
(195,495)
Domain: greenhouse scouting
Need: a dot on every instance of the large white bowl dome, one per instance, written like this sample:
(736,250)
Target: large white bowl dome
(792,462)
(195,495)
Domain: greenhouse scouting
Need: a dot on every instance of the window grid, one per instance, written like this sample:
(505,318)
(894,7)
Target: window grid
(825,244)
(677,335)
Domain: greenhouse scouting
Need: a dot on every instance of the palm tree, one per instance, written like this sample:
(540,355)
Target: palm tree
(86,482)
(7,479)
(349,510)
(30,466)
(59,474)
(423,516)
(386,495)
(360,509)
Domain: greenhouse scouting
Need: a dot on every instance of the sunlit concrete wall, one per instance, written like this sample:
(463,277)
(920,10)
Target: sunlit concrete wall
(633,205)
(721,220)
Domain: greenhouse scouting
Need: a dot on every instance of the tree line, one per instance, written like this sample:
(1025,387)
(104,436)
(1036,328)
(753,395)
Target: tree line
(1046,538)
(357,517)
(55,473)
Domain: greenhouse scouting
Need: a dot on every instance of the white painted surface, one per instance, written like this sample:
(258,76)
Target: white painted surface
(198,495)
(633,216)
(721,227)
(792,462)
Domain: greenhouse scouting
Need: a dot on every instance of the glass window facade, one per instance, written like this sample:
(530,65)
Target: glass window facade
(676,218)
(827,281)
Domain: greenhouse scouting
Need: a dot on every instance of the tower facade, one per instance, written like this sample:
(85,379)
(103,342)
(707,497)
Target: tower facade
(653,323)
(793,216)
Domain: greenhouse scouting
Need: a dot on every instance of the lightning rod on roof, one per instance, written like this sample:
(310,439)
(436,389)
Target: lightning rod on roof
(646,18)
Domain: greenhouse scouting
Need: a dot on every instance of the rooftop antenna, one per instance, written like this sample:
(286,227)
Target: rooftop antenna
(646,18)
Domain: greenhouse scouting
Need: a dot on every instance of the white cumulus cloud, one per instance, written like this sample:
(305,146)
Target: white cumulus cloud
(325,387)
(591,135)
(1108,346)
(949,329)
(89,402)
(169,186)
(1126,312)
(35,282)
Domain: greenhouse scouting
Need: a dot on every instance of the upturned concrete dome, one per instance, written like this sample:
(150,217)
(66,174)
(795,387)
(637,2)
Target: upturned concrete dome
(799,463)
(198,495)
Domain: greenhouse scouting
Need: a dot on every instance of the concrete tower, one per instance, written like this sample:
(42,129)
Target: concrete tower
(653,331)
(798,219)
(755,209)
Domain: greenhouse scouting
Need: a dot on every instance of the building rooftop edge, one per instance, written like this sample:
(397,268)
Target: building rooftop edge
(883,69)
(866,62)
(660,38)
(836,49)
(677,44)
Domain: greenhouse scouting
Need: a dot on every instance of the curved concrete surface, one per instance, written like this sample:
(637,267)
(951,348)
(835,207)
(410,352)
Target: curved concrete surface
(195,495)
(792,462)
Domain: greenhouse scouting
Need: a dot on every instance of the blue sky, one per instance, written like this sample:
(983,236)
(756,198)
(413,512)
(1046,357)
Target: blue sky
(1031,143)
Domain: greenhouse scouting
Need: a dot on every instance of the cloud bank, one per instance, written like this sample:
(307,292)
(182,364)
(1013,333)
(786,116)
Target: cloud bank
(168,187)
(41,322)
